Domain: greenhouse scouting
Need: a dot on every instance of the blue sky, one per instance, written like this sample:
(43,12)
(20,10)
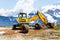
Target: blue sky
(8,4)
(8,7)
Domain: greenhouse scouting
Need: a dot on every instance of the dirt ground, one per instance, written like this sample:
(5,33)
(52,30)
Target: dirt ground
(43,34)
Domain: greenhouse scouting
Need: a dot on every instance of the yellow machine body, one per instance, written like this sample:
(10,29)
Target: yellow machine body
(35,17)
(22,20)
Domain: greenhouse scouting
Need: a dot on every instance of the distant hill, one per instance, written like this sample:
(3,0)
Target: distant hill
(55,14)
(7,21)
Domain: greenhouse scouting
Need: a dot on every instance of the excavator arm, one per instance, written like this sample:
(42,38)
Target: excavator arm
(40,16)
(33,18)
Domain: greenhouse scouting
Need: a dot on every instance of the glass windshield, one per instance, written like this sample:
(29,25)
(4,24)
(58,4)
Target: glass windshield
(20,16)
(24,15)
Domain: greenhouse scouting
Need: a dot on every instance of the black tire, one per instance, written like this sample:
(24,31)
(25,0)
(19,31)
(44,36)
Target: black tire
(25,28)
(37,26)
(50,25)
(14,27)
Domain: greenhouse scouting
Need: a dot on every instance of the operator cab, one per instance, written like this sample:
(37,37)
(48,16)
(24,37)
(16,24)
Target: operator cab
(22,15)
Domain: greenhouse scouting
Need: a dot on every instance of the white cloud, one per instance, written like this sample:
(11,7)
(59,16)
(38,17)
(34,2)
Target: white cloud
(52,7)
(24,5)
(3,12)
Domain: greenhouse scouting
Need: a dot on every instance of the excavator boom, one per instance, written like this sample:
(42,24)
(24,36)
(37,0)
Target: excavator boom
(33,18)
(40,16)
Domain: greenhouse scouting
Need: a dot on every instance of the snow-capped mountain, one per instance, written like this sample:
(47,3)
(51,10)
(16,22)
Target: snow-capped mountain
(55,14)
(52,12)
(7,21)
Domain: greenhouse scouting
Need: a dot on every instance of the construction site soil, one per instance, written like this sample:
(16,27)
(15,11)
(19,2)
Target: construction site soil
(6,33)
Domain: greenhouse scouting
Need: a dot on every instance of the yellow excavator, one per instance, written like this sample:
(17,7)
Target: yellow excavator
(23,22)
